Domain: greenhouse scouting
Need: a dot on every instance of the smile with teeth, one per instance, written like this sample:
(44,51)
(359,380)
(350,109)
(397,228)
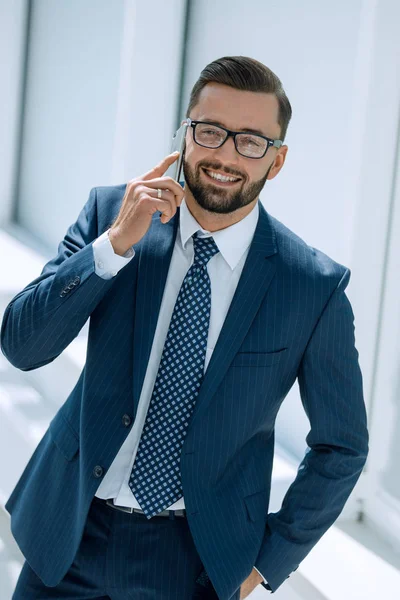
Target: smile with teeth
(222,178)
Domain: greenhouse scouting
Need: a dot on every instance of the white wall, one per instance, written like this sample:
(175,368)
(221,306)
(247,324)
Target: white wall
(376,260)
(12,50)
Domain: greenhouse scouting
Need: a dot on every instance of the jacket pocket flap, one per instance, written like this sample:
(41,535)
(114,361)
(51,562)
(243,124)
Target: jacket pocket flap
(257,359)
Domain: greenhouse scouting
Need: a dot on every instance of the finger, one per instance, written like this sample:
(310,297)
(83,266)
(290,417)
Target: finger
(167,196)
(167,183)
(160,169)
(164,207)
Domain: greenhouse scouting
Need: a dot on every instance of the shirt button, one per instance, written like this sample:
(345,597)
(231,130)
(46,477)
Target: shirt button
(113,273)
(100,264)
(126,420)
(98,471)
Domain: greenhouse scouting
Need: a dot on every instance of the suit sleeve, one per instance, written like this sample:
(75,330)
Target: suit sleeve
(44,318)
(331,390)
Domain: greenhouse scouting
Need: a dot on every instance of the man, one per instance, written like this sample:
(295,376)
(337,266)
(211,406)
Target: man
(206,315)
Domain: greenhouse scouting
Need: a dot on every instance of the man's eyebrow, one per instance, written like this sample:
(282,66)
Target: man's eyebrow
(249,129)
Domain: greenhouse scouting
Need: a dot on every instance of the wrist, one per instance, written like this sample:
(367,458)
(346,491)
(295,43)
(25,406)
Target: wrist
(118,245)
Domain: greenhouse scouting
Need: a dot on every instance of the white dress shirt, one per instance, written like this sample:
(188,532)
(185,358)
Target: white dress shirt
(224,270)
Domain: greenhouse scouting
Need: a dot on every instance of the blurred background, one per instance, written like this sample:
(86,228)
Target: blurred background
(91,93)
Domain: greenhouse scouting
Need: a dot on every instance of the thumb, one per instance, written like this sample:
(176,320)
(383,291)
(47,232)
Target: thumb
(159,170)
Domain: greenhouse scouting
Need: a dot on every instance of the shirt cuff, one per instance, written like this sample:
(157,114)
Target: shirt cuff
(107,262)
(265,581)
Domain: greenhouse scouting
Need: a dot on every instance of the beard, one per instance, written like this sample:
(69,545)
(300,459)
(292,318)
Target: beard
(217,199)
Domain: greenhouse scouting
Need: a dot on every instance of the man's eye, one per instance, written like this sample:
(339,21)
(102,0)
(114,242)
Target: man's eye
(251,142)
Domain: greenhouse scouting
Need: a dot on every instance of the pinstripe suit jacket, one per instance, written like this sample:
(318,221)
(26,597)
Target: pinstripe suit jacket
(289,318)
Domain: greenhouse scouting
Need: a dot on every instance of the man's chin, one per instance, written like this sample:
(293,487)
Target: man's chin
(216,207)
(215,191)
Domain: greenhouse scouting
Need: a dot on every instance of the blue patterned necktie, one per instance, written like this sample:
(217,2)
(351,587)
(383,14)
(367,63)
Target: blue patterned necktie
(155,478)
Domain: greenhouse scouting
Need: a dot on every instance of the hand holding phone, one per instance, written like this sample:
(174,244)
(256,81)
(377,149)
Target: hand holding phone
(141,200)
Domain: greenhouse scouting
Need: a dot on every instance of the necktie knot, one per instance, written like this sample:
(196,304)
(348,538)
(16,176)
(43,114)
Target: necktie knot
(204,249)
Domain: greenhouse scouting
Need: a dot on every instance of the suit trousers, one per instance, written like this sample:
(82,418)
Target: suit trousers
(125,556)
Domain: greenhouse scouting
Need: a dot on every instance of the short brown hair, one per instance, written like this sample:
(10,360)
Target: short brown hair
(247,74)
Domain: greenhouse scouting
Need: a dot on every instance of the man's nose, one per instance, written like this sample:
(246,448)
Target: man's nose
(227,150)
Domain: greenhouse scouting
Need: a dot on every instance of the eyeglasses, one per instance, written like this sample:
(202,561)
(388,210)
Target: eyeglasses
(250,145)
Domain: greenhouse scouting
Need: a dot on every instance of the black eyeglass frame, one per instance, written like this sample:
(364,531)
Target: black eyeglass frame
(271,142)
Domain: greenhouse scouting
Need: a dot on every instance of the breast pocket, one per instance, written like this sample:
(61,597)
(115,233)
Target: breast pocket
(258,359)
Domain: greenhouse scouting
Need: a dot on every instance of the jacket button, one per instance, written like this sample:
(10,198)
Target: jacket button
(126,420)
(98,471)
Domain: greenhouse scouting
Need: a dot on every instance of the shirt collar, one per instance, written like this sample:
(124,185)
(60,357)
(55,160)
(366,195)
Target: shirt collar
(232,241)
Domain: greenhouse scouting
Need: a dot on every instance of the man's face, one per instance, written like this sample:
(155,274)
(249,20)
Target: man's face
(236,110)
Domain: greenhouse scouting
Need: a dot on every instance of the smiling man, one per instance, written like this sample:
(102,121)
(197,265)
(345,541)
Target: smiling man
(153,479)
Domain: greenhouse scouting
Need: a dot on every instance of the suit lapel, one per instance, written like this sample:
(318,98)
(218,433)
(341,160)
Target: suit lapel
(154,260)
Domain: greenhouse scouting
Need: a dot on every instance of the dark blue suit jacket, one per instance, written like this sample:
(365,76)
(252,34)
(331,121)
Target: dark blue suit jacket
(289,318)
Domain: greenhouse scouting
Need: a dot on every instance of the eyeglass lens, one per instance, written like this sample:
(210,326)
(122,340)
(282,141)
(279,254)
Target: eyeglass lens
(212,136)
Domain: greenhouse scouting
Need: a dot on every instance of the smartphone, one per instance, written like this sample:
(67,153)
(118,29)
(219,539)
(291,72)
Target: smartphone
(178,143)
